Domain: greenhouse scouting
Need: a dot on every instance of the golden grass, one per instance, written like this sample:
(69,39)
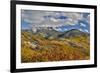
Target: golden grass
(53,50)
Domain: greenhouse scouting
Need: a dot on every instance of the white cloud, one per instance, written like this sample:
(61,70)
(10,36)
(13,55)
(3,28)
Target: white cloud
(88,19)
(58,29)
(53,19)
(80,29)
(82,24)
(73,18)
(37,18)
(86,30)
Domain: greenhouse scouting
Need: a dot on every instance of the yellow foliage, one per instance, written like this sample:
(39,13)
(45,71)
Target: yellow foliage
(54,50)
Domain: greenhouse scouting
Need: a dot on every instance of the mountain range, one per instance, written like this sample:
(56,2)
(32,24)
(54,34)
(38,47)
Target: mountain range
(50,45)
(56,34)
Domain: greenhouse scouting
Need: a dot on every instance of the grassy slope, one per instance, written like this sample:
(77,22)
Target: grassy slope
(76,48)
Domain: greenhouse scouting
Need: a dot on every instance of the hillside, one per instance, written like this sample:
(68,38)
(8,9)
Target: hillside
(50,45)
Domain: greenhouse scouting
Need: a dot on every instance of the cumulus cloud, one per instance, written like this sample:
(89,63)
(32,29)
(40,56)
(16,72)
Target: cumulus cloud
(73,18)
(50,18)
(32,16)
(86,30)
(83,25)
(88,19)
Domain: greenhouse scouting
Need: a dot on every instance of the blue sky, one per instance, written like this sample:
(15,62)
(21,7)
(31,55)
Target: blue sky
(63,20)
(25,25)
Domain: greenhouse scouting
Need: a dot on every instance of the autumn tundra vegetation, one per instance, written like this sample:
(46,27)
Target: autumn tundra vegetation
(50,45)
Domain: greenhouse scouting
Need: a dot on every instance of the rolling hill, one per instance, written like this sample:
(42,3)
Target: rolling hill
(50,45)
